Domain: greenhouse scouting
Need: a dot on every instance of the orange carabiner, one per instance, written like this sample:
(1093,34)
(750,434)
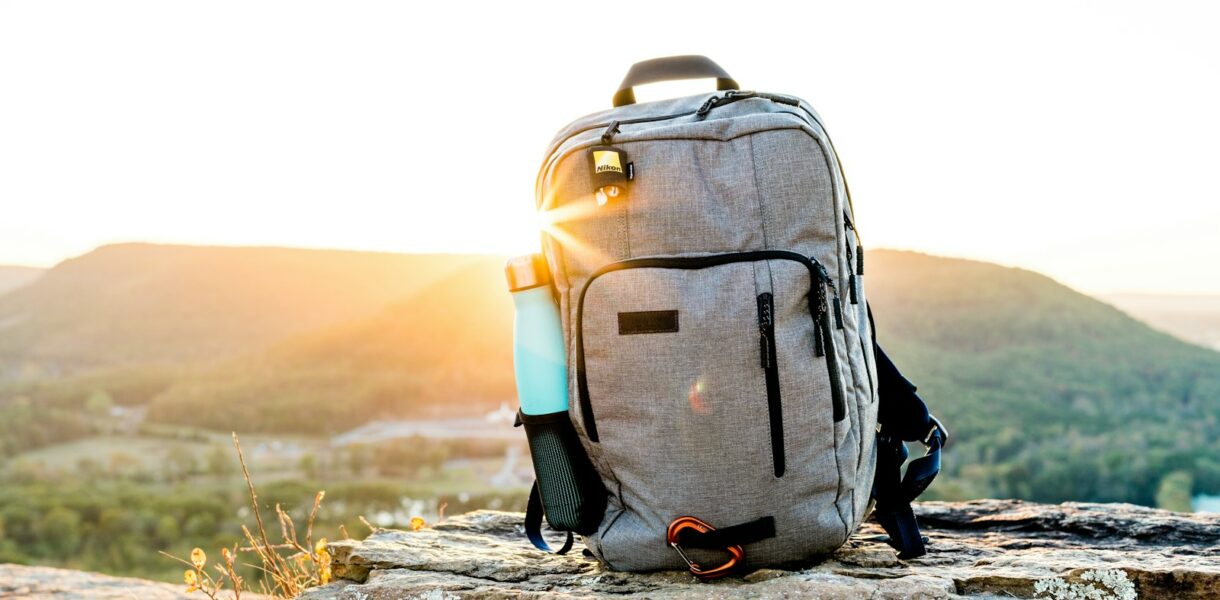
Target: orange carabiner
(736,553)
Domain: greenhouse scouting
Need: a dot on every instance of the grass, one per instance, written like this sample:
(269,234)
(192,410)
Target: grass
(286,568)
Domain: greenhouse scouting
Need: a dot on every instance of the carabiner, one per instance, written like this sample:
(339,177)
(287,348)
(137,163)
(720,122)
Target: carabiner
(736,553)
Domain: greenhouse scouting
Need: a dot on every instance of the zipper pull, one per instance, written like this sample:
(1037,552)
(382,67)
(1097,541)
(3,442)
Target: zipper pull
(838,312)
(859,247)
(706,108)
(852,292)
(714,101)
(781,99)
(766,327)
(608,134)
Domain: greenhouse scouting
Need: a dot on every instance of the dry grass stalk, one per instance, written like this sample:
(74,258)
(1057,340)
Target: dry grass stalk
(307,564)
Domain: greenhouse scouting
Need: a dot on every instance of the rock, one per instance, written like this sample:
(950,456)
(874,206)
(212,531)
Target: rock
(979,549)
(19,582)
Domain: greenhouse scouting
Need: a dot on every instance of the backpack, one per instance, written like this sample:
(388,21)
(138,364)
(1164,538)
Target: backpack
(724,380)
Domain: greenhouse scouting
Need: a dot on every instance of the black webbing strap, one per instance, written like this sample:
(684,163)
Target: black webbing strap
(533,524)
(734,535)
(894,491)
(903,417)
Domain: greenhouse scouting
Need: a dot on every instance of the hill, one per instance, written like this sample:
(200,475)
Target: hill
(13,277)
(1051,394)
(139,303)
(446,348)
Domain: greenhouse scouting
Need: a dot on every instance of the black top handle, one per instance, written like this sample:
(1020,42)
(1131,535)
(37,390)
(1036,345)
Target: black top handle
(671,68)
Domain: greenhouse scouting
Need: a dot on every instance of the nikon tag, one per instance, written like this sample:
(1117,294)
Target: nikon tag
(611,172)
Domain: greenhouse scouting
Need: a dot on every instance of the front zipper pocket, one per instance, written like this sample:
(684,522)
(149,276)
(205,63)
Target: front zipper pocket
(720,306)
(770,365)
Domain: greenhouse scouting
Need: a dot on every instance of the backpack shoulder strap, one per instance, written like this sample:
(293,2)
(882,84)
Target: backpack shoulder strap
(533,524)
(902,417)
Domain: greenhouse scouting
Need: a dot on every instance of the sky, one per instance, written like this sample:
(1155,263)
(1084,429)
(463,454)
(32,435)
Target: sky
(1077,139)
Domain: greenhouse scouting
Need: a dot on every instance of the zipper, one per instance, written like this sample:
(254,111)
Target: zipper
(770,365)
(700,113)
(832,358)
(855,259)
(859,247)
(818,310)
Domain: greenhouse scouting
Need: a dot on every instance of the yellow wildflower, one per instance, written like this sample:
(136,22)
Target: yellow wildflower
(191,579)
(417,523)
(323,562)
(198,558)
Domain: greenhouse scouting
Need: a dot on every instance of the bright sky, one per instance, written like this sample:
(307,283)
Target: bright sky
(1075,139)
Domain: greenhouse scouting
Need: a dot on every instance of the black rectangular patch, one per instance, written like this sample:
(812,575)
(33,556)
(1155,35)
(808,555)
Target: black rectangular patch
(647,321)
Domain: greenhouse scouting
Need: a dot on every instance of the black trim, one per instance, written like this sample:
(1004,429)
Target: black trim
(818,310)
(770,364)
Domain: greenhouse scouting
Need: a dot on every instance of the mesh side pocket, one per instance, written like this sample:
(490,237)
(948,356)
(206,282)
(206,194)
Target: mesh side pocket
(572,493)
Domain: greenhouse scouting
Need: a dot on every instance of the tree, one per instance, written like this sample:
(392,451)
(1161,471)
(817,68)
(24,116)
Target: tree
(1174,492)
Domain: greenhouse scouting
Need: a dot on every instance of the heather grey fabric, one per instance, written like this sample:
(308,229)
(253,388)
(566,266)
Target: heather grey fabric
(682,417)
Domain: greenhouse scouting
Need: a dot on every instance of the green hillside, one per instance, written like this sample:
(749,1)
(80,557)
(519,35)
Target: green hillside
(138,303)
(445,349)
(13,277)
(1051,394)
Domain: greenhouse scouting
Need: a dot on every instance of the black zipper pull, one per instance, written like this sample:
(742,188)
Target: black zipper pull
(852,292)
(729,97)
(781,99)
(608,134)
(706,108)
(838,312)
(859,260)
(766,327)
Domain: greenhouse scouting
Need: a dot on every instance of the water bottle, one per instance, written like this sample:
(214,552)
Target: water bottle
(572,494)
(538,350)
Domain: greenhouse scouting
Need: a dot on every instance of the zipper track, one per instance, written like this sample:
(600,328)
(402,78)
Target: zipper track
(712,102)
(770,365)
(818,310)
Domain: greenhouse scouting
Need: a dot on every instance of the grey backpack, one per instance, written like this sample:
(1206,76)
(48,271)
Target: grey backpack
(723,378)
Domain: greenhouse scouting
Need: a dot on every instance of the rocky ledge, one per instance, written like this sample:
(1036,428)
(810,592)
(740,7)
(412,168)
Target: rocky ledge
(19,582)
(980,549)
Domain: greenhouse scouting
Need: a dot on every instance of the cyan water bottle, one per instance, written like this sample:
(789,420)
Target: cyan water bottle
(572,494)
(538,350)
